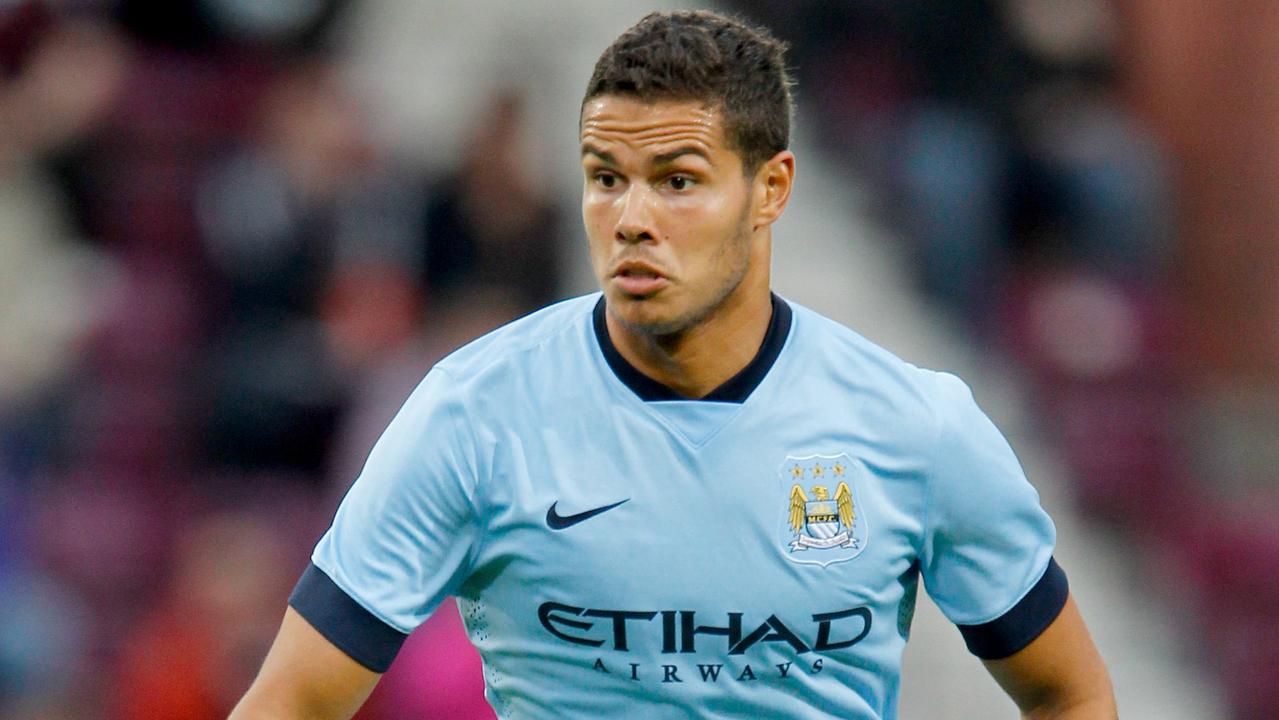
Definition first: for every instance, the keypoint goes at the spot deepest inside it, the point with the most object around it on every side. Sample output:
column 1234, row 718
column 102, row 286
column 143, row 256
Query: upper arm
column 305, row 676
column 987, row 561
column 1059, row 674
column 404, row 535
column 987, row 543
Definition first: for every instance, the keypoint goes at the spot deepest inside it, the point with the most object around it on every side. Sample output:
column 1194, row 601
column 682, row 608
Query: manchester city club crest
column 824, row 522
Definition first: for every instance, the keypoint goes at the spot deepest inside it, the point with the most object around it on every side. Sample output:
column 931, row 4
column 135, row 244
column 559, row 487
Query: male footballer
column 685, row 496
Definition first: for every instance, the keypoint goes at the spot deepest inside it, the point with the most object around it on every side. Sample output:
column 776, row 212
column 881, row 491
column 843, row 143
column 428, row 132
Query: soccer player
column 685, row 496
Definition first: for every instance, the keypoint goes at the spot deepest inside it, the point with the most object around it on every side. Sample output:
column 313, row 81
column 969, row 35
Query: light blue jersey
column 620, row 552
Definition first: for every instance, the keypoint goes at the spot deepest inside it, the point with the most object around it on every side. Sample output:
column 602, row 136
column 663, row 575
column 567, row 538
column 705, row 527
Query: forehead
column 650, row 126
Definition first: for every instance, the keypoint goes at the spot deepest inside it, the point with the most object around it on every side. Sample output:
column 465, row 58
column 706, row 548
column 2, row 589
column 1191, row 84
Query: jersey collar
column 734, row 390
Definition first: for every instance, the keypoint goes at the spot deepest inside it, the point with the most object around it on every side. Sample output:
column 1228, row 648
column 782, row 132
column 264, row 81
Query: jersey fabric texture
column 618, row 551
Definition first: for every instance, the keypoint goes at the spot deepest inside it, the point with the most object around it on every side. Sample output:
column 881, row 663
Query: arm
column 987, row 541
column 1059, row 675
column 305, row 676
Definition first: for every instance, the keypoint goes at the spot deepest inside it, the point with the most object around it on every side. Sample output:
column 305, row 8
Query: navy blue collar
column 734, row 390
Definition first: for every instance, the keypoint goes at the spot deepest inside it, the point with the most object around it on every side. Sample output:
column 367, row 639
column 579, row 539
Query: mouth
column 638, row 279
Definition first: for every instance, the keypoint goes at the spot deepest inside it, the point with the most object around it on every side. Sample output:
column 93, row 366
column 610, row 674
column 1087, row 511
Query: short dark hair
column 705, row 56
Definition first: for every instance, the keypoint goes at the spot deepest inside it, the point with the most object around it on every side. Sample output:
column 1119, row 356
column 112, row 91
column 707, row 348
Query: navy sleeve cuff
column 344, row 622
column 1018, row 627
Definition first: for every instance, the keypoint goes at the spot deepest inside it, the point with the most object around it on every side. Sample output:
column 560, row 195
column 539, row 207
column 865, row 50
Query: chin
column 650, row 316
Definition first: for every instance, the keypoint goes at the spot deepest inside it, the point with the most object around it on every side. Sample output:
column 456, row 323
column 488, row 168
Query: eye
column 606, row 180
column 679, row 183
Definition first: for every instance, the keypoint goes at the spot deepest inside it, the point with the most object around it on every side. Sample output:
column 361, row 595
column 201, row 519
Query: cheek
column 596, row 222
column 710, row 231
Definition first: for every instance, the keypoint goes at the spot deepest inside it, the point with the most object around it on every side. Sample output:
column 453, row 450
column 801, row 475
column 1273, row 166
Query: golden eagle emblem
column 822, row 522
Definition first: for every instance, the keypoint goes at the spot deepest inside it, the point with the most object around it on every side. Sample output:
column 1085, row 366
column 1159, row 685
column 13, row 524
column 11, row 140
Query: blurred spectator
column 61, row 80
column 1021, row 151
column 294, row 26
column 993, row 130
column 304, row 204
column 491, row 222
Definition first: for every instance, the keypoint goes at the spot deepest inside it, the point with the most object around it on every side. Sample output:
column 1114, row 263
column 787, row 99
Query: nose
column 635, row 222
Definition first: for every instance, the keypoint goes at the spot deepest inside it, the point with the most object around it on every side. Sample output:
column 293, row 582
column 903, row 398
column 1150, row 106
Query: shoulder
column 546, row 337
column 486, row 383
column 873, row 374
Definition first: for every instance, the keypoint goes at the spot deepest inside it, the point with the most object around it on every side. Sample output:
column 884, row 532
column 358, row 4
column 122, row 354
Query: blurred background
column 235, row 233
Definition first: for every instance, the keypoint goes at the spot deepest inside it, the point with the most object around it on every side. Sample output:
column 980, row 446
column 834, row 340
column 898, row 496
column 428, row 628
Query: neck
column 700, row 358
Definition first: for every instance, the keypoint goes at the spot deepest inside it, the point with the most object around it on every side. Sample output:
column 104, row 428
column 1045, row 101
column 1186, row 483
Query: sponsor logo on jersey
column 681, row 630
column 824, row 521
column 696, row 637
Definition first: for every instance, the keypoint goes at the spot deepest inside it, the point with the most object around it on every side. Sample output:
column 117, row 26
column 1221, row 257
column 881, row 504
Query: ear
column 771, row 188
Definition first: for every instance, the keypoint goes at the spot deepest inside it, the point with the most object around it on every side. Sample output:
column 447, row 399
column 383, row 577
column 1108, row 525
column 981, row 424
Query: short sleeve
column 402, row 538
column 988, row 544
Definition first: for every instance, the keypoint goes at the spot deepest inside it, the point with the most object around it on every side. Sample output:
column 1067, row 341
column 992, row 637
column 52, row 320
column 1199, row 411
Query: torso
column 698, row 594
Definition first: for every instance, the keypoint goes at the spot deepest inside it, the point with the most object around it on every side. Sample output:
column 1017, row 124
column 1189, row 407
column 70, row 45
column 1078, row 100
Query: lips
column 635, row 277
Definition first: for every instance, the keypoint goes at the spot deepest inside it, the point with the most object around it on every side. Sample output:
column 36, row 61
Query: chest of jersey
column 678, row 544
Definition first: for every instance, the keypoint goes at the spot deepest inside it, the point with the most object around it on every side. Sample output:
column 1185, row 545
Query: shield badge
column 824, row 521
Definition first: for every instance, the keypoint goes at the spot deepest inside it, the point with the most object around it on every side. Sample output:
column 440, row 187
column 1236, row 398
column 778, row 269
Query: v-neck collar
column 734, row 390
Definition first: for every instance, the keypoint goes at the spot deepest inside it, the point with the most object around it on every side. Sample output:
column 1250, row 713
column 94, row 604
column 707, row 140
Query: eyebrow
column 669, row 157
column 658, row 160
column 588, row 149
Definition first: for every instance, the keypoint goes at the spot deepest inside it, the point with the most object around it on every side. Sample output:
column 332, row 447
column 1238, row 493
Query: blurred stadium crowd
column 218, row 281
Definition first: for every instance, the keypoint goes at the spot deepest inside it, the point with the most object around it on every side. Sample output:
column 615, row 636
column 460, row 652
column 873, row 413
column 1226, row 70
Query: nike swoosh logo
column 558, row 522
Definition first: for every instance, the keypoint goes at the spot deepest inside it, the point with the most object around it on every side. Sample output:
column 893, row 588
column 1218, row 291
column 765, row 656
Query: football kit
column 620, row 551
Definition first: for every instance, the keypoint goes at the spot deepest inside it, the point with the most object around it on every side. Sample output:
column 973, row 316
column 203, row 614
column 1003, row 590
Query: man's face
column 667, row 211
